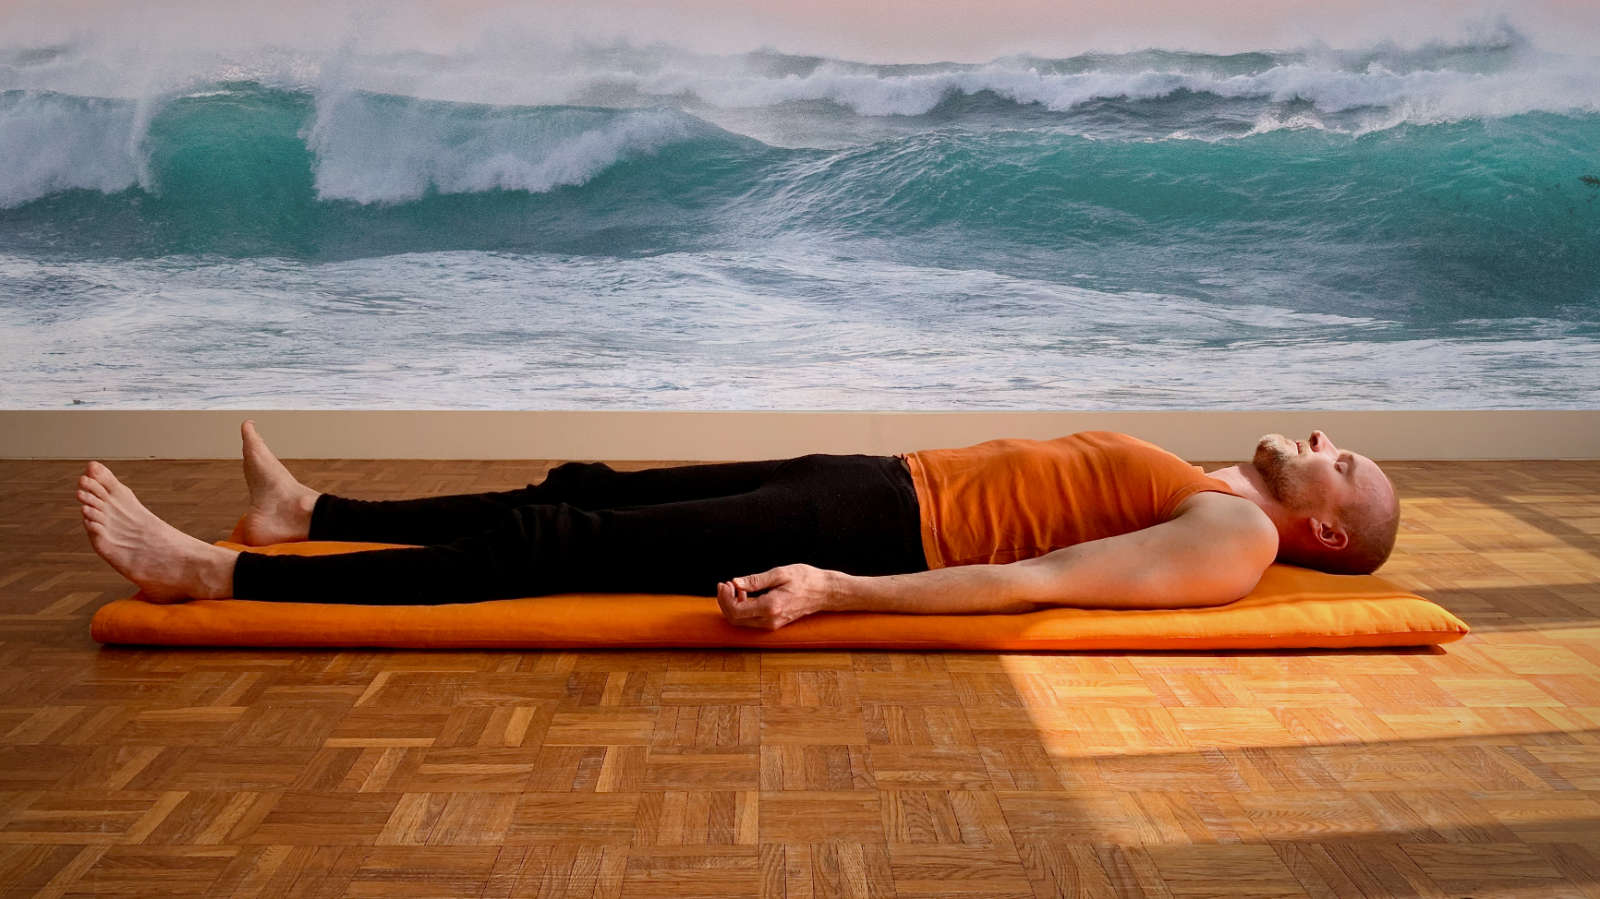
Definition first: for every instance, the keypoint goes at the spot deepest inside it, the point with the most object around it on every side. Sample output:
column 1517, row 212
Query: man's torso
column 1006, row 500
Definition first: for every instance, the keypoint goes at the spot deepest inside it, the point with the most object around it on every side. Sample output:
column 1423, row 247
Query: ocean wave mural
column 643, row 225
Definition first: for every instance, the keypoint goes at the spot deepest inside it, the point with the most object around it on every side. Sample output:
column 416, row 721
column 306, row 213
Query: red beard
column 1271, row 460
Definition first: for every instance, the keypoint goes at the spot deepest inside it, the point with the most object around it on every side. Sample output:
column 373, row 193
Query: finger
column 742, row 607
column 754, row 583
column 733, row 614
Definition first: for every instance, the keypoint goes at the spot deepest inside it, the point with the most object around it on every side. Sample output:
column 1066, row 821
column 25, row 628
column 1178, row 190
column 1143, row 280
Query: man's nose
column 1321, row 443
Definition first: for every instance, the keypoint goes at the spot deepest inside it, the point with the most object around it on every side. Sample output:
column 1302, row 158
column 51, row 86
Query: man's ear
column 1329, row 535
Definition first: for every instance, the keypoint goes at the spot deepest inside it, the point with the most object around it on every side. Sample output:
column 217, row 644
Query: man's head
column 1335, row 510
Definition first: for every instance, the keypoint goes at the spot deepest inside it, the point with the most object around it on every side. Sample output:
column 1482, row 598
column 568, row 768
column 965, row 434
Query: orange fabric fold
column 1292, row 608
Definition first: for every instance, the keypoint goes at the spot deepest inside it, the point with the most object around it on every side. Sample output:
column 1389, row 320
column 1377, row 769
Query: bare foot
column 280, row 506
column 166, row 564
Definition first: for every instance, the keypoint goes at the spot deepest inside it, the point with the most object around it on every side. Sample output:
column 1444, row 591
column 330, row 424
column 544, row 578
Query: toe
column 107, row 479
column 91, row 485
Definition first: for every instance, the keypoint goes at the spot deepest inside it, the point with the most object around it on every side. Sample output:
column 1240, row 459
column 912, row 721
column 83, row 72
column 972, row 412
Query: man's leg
column 282, row 509
column 854, row 514
column 588, row 486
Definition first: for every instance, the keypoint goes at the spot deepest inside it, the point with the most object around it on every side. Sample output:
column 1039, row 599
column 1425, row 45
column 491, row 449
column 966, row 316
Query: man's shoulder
column 1214, row 504
column 1226, row 513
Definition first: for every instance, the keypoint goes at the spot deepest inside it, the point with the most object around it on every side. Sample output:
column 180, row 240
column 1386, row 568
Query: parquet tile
column 1472, row 770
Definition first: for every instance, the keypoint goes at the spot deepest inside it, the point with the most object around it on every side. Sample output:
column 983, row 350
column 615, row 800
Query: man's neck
column 1246, row 481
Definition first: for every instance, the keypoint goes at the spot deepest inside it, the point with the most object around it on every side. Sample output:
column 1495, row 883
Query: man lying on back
column 1095, row 519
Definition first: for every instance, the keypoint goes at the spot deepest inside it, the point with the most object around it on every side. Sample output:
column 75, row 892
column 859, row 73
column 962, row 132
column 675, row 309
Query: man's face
column 1313, row 476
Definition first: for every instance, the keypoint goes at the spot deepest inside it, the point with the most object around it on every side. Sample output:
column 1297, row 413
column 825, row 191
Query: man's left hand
column 774, row 598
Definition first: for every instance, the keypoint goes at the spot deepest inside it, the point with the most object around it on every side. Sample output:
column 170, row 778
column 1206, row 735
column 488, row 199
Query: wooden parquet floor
column 1471, row 770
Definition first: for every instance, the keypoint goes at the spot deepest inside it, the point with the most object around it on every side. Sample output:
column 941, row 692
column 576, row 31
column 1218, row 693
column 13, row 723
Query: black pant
column 588, row 528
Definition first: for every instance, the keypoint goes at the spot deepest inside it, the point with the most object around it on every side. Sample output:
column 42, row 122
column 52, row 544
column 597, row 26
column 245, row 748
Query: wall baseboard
column 638, row 435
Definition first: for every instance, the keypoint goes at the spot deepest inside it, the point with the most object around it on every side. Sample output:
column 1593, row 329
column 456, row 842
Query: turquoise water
column 1362, row 229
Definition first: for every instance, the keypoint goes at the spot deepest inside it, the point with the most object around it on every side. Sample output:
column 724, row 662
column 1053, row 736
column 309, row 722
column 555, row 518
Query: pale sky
column 866, row 30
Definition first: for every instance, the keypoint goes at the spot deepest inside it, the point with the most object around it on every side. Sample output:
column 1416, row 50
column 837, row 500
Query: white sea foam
column 385, row 150
column 1430, row 95
column 1476, row 82
column 778, row 328
column 52, row 143
column 1504, row 76
column 389, row 152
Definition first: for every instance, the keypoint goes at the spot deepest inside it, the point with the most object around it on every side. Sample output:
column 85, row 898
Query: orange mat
column 1290, row 608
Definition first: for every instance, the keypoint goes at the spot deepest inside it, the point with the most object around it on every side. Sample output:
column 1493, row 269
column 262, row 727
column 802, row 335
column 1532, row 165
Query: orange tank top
column 1006, row 500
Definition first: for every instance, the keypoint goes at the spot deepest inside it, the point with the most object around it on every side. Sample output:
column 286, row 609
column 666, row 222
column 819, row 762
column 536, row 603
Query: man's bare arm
column 1212, row 552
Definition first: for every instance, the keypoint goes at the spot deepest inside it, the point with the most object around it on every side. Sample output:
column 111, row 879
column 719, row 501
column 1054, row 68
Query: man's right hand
column 775, row 597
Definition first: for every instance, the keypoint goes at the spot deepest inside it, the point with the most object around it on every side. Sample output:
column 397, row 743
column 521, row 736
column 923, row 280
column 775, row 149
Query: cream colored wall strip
column 624, row 435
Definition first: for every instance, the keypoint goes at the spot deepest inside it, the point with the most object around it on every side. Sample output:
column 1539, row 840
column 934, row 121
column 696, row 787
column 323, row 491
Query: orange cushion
column 1290, row 608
